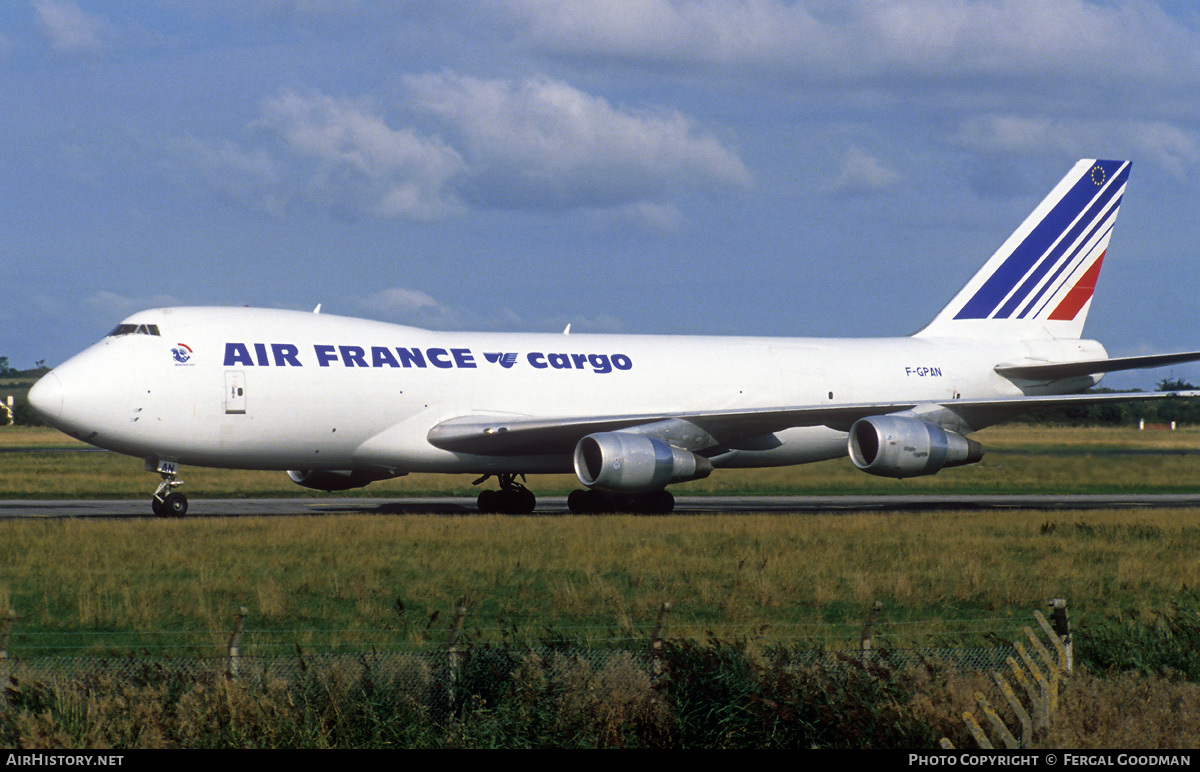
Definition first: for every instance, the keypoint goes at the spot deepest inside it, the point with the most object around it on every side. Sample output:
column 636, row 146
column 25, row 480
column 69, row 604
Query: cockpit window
column 134, row 329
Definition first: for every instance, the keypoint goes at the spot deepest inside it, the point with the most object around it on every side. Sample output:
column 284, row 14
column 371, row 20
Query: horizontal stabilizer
column 1055, row 370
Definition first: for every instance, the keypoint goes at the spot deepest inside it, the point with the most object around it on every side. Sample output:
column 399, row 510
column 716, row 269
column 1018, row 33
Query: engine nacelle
column 896, row 446
column 620, row 461
column 339, row 479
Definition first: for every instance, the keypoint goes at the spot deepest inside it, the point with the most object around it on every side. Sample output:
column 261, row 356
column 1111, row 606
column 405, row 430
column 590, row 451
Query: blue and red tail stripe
column 1054, row 251
column 1079, row 295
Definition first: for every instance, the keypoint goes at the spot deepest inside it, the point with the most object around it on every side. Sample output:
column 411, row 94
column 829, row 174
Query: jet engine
column 620, row 461
column 896, row 446
column 340, row 479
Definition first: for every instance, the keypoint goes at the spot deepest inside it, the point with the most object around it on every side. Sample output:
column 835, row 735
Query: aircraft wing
column 504, row 435
column 520, row 435
column 1054, row 370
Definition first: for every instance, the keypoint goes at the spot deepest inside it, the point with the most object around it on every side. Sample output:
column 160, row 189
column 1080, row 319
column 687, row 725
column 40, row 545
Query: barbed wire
column 423, row 671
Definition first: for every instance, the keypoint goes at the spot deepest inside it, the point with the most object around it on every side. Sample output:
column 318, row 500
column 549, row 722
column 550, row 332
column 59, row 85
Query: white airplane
column 342, row 402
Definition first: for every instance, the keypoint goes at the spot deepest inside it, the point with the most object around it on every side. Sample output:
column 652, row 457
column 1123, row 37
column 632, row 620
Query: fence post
column 996, row 723
column 656, row 640
column 656, row 636
column 864, row 643
column 235, row 641
column 981, row 738
column 1017, row 708
column 1062, row 628
column 6, row 627
column 1052, row 668
column 1041, row 690
column 454, row 660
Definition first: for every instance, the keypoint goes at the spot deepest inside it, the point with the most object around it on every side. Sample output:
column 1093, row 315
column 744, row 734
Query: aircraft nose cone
column 46, row 397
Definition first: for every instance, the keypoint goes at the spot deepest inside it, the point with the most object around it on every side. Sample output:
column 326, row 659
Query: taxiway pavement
column 557, row 505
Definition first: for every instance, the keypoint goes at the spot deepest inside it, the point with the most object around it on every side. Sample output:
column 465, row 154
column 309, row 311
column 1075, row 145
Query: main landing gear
column 594, row 502
column 166, row 502
column 513, row 498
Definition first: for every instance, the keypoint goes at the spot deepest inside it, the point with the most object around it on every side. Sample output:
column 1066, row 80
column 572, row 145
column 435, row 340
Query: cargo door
column 235, row 392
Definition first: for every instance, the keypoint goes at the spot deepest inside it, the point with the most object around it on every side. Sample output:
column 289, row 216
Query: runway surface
column 557, row 505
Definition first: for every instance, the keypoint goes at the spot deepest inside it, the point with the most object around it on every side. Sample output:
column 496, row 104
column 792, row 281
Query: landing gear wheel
column 513, row 498
column 595, row 502
column 176, row 504
column 171, row 505
column 486, row 501
column 658, row 502
column 582, row 502
column 166, row 502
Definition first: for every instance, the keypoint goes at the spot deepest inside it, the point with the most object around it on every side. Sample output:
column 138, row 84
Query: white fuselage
column 269, row 389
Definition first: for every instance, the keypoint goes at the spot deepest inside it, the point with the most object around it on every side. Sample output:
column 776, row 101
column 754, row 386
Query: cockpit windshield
column 133, row 329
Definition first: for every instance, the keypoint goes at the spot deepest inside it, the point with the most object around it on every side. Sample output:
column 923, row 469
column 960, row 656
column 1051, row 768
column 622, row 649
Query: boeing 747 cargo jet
column 343, row 402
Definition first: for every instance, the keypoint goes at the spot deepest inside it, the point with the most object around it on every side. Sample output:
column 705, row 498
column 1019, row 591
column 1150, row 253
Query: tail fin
column 1039, row 283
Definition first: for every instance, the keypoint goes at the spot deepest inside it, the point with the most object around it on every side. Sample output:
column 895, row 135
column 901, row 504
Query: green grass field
column 347, row 573
column 336, row 581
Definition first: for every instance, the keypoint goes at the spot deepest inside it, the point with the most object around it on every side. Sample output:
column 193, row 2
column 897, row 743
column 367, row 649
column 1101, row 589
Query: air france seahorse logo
column 182, row 353
column 505, row 360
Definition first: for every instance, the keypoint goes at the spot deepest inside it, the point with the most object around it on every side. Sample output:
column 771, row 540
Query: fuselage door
column 235, row 392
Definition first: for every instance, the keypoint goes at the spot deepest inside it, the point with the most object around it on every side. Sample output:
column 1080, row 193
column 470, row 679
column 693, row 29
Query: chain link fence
column 419, row 673
column 423, row 668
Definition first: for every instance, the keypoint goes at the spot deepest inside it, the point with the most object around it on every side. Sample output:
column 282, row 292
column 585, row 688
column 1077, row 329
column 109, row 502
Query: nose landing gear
column 166, row 502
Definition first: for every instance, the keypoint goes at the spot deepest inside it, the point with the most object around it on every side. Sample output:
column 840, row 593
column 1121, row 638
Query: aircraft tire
column 523, row 502
column 157, row 506
column 175, row 505
column 582, row 502
column 659, row 502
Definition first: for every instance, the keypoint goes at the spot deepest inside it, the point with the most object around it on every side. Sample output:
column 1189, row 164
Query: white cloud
column 70, row 29
column 399, row 300
column 414, row 307
column 1015, row 134
column 249, row 176
column 113, row 305
column 361, row 162
column 542, row 142
column 861, row 172
column 1172, row 148
column 1166, row 145
column 929, row 39
column 534, row 144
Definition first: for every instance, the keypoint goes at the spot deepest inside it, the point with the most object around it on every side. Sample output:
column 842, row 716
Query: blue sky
column 716, row 167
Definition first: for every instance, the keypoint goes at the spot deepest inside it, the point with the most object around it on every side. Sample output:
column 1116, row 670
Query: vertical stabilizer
column 1039, row 283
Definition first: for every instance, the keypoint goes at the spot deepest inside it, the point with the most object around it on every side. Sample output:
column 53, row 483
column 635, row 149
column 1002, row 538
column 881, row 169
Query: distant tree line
column 1160, row 411
column 16, row 384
